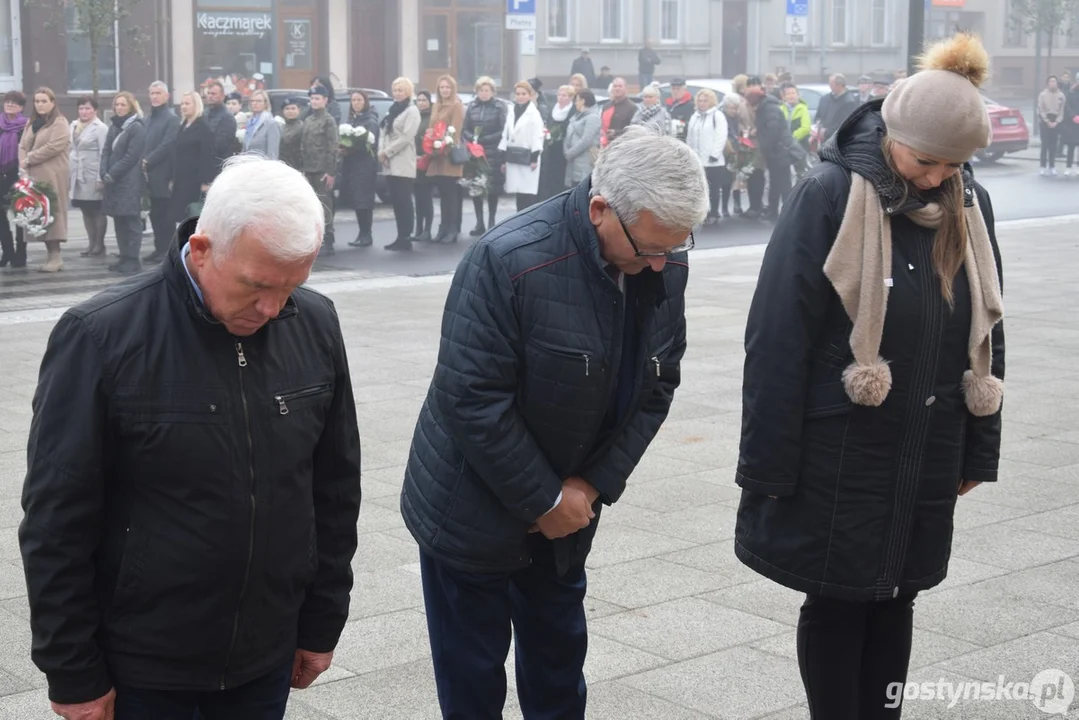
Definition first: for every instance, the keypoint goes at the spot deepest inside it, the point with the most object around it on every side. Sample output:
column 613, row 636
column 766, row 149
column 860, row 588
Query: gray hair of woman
column 650, row 91
column 731, row 102
column 643, row 170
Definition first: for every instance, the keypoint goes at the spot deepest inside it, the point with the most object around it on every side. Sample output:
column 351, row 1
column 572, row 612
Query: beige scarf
column 859, row 267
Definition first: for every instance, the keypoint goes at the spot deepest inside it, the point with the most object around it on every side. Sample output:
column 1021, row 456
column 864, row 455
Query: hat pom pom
column 868, row 384
column 984, row 395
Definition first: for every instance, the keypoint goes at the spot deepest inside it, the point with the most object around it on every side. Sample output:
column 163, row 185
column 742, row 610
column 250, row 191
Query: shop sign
column 221, row 24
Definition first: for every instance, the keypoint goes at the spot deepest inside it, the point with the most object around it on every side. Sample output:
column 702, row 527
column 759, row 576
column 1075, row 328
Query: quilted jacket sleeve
column 982, row 458
column 609, row 473
column 787, row 312
column 475, row 384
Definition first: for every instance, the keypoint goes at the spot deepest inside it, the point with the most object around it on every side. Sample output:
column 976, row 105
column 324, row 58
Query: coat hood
column 857, row 147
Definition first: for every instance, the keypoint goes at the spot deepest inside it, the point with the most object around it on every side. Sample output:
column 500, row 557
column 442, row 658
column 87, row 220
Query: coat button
column 932, row 399
column 895, row 592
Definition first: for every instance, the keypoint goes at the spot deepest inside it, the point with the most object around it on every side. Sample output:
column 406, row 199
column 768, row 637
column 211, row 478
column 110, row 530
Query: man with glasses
column 562, row 339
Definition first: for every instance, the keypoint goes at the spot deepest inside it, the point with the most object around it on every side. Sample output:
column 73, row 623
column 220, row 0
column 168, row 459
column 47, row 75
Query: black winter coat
column 833, row 111
column 865, row 495
column 490, row 118
column 526, row 382
column 223, row 126
column 774, row 135
column 121, row 168
column 193, row 165
column 359, row 167
column 1069, row 129
column 553, row 166
column 191, row 496
column 162, row 127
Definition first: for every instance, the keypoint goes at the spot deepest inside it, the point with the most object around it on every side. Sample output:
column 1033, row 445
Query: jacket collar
column 856, row 147
column 648, row 284
column 177, row 277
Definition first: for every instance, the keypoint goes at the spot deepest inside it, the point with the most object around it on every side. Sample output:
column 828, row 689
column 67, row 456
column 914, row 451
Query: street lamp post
column 915, row 34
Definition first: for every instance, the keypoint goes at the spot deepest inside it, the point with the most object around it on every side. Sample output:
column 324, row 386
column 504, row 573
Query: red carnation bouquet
column 438, row 140
column 33, row 204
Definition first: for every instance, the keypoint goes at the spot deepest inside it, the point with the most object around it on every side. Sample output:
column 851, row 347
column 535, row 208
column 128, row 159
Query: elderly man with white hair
column 562, row 340
column 193, row 479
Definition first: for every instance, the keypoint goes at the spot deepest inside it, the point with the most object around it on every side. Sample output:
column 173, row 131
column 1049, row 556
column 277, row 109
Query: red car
column 1010, row 132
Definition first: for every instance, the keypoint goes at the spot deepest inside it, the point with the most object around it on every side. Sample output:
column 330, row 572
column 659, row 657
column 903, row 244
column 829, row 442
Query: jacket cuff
column 980, row 475
column 318, row 636
column 67, row 688
column 606, row 481
column 763, row 487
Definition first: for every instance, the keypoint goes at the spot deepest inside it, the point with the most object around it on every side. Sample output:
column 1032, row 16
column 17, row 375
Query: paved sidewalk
column 679, row 629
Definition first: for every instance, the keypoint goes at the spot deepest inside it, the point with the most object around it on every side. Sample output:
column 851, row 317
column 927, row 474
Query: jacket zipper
column 283, row 398
column 242, row 362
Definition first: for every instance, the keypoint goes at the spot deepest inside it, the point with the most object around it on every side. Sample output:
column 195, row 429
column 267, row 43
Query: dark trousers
column 1069, row 154
column 425, row 202
column 779, row 185
column 161, row 222
column 755, row 189
column 849, row 653
column 128, row 235
column 1050, row 136
column 261, row 699
column 401, row 198
column 325, row 196
column 470, row 619
column 726, row 182
column 715, row 182
column 365, row 219
column 449, row 204
column 525, row 201
column 96, row 224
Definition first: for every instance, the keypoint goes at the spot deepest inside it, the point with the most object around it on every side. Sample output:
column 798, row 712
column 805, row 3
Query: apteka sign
column 234, row 24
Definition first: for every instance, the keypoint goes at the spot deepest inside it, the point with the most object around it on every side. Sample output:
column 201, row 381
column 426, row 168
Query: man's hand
column 584, row 486
column 104, row 708
column 572, row 514
column 967, row 485
column 328, row 179
column 307, row 666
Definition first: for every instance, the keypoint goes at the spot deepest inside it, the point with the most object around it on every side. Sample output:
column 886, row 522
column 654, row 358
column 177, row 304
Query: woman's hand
column 966, row 486
column 205, row 188
column 534, row 166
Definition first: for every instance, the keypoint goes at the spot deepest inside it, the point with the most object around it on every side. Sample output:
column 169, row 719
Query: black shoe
column 400, row 245
column 6, row 258
column 424, row 236
column 363, row 240
column 326, row 250
column 155, row 257
column 450, row 237
column 478, row 230
column 126, row 267
column 19, row 260
column 726, row 213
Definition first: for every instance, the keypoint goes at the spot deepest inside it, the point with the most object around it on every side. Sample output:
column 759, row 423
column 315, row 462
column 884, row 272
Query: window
column 839, row 22
column 612, row 21
column 79, row 75
column 669, row 20
column 1013, row 31
column 232, row 47
column 558, row 20
column 879, row 33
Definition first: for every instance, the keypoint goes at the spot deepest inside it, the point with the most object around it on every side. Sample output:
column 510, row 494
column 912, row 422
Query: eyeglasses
column 684, row 247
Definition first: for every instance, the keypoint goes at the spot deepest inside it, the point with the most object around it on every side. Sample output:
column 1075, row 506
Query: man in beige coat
column 44, row 155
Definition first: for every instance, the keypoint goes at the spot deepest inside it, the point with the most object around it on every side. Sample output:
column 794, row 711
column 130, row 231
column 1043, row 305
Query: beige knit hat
column 939, row 110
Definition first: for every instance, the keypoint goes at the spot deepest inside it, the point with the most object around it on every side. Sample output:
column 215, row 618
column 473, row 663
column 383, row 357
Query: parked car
column 1010, row 131
column 812, row 94
column 719, row 86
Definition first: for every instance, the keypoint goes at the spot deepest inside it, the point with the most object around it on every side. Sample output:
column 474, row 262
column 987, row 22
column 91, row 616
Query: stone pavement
column 679, row 629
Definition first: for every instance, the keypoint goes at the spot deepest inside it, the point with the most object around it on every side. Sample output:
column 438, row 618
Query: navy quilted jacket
column 527, row 371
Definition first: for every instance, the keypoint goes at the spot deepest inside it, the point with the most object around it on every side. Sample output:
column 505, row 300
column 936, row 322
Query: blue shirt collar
column 183, row 261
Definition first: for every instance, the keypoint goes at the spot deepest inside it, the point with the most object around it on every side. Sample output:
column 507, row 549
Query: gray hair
column 160, row 85
column 268, row 199
column 731, row 100
column 650, row 91
column 840, row 79
column 645, row 171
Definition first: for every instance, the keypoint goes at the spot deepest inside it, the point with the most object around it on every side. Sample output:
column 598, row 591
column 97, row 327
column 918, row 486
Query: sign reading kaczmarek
column 224, row 24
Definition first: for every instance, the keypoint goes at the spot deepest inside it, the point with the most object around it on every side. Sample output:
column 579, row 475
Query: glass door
column 479, row 48
column 436, row 49
column 10, row 46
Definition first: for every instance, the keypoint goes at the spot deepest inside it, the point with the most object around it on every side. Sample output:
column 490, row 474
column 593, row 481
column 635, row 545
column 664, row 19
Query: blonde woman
column 553, row 160
column 194, row 162
column 121, row 171
column 450, row 110
column 485, row 119
column 706, row 136
column 397, row 152
column 578, row 82
column 262, row 135
column 863, row 428
column 45, row 155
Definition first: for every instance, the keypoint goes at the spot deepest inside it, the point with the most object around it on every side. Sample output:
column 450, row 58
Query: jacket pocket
column 826, row 400
column 130, row 571
column 573, row 360
column 204, row 410
column 289, row 400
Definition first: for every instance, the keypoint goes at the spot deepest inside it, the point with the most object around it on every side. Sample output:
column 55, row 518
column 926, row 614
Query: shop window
column 79, row 75
column 236, row 48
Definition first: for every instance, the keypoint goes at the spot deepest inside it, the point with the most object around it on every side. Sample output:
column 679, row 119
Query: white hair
column 160, row 85
column 731, row 100
column 269, row 200
column 650, row 91
column 645, row 171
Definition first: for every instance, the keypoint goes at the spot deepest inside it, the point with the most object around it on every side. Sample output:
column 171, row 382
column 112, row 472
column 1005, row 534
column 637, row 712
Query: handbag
column 459, row 155
column 518, row 155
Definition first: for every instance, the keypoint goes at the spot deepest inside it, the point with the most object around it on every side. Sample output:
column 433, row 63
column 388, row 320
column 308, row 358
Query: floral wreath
column 32, row 204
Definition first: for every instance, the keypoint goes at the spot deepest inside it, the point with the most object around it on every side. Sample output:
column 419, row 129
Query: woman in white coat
column 522, row 144
column 88, row 136
column 707, row 136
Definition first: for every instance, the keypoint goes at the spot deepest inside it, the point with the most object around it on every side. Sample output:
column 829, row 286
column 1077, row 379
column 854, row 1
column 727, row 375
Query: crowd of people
column 1058, row 120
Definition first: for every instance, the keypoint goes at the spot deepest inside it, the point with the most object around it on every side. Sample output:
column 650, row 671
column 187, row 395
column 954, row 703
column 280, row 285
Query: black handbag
column 459, row 155
column 518, row 156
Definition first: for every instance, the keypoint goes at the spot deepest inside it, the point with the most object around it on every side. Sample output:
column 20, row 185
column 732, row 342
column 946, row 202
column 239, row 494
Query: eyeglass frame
column 689, row 244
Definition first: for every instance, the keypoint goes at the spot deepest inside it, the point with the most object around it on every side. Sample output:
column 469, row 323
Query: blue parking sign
column 523, row 7
column 798, row 8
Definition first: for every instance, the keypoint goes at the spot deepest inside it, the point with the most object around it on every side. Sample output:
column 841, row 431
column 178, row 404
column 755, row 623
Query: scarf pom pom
column 984, row 395
column 868, row 384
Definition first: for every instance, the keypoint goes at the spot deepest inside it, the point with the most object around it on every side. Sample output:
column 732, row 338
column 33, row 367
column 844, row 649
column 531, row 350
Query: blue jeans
column 646, row 79
column 261, row 699
column 469, row 618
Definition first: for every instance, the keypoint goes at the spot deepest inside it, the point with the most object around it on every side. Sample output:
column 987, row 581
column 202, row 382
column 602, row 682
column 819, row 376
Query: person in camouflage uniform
column 291, row 135
column 318, row 150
